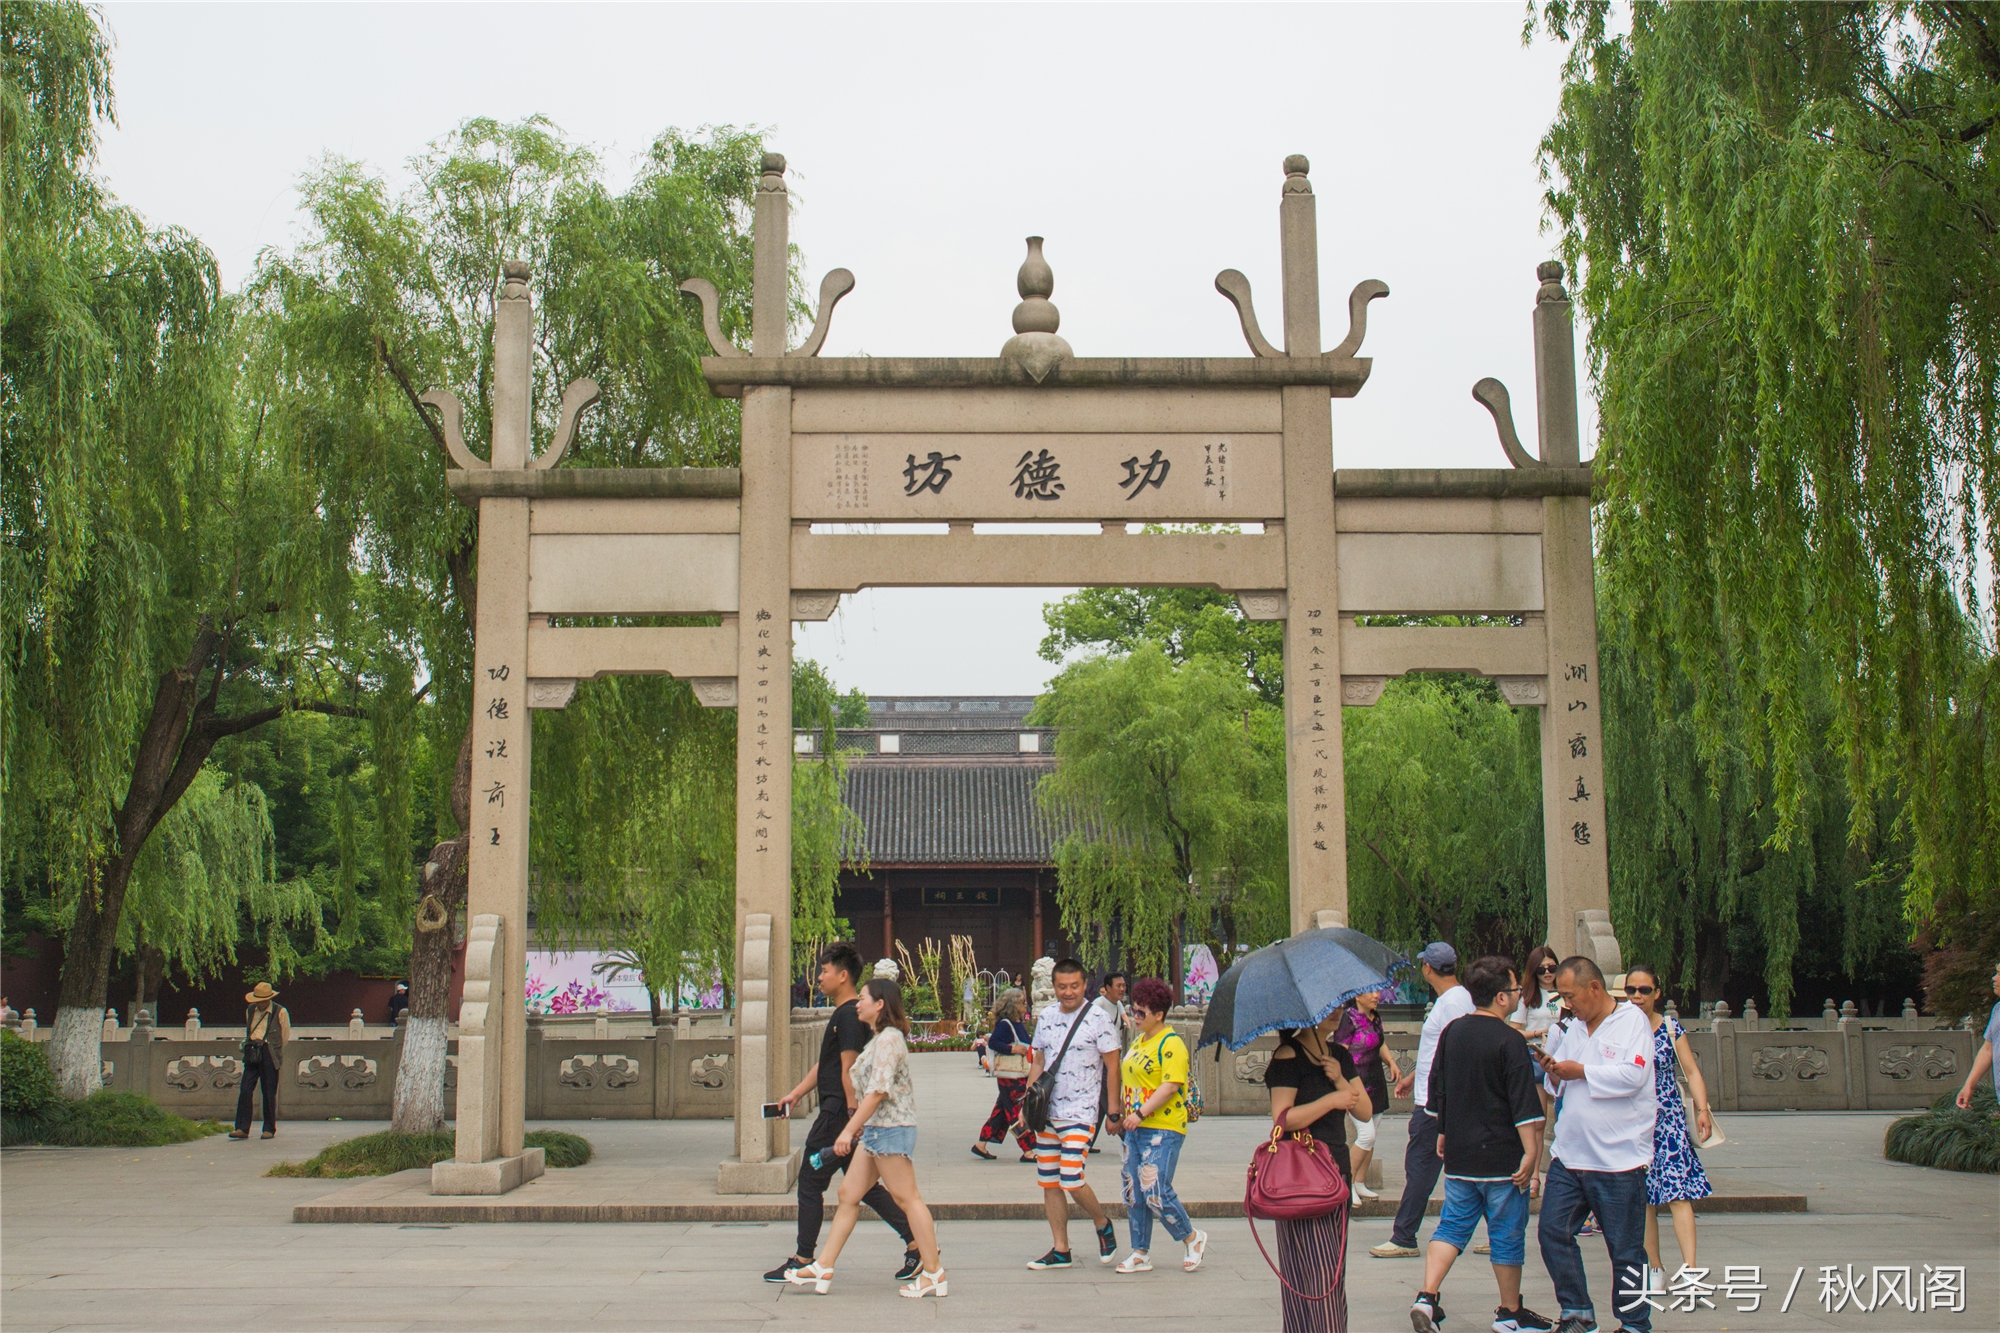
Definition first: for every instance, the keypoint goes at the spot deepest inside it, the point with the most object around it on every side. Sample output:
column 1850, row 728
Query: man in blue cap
column 1421, row 1163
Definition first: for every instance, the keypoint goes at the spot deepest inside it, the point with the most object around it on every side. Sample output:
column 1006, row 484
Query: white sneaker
column 1197, row 1249
column 1136, row 1262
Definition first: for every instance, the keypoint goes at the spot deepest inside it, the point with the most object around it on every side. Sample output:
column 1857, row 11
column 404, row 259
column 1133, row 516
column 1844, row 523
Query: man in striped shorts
column 1088, row 1071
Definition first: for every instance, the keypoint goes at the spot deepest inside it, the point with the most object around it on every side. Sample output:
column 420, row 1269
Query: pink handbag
column 1293, row 1176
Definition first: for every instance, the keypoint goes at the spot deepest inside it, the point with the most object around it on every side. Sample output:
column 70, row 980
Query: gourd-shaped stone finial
column 1035, row 346
column 1037, row 283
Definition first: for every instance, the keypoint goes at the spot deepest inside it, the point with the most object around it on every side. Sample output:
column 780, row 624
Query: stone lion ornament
column 1042, row 983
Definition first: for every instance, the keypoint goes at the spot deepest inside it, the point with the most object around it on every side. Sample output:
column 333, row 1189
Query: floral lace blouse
column 884, row 1066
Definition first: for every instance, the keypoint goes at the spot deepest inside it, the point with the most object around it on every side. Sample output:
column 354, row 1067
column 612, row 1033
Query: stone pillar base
column 497, row 1176
column 776, row 1176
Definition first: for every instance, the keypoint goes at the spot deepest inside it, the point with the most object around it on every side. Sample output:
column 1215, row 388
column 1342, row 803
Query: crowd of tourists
column 1504, row 1055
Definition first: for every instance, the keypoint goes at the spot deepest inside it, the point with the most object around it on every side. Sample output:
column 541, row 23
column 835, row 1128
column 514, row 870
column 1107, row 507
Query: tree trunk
column 74, row 1052
column 419, row 1101
column 149, row 975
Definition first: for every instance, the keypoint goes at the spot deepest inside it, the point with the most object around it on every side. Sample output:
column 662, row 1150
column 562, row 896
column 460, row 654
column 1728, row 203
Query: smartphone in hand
column 774, row 1110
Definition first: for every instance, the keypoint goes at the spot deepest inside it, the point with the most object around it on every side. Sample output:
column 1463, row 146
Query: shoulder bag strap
column 1274, row 1268
column 1082, row 1017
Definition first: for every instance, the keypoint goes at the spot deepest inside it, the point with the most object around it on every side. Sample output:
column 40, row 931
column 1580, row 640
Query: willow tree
column 1169, row 786
column 391, row 295
column 1785, row 220
column 1699, row 886
column 1444, row 817
column 163, row 578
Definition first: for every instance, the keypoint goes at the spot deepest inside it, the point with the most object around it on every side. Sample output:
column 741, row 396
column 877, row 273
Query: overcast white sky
column 1143, row 141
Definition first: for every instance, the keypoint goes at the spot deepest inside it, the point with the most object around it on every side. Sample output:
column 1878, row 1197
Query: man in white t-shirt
column 1599, row 1065
column 1087, row 1079
column 1421, row 1162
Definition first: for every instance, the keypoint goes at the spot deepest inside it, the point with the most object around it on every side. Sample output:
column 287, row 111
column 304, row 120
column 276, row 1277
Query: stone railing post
column 110, row 1024
column 191, row 1029
column 600, row 1025
column 1725, row 1058
column 1851, row 1052
column 28, row 1025
column 1828, row 1016
column 1909, row 1014
column 357, row 1026
column 1751, row 1022
column 532, row 1064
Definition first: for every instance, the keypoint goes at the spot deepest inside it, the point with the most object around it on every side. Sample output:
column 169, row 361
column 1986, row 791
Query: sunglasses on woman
column 1640, row 990
column 1547, row 969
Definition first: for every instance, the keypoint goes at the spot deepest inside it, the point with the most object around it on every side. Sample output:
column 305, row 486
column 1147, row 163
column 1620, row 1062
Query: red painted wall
column 35, row 982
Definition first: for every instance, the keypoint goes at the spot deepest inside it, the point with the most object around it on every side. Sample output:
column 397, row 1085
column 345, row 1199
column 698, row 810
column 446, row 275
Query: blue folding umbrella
column 1295, row 983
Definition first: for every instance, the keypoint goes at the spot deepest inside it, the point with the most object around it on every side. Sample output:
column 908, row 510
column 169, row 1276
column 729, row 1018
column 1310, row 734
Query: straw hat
column 263, row 994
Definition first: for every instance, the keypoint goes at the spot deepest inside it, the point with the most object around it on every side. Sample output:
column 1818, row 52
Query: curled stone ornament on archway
column 840, row 455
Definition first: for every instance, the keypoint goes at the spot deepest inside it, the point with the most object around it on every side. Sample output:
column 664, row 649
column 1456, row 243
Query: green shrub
column 387, row 1152
column 1948, row 1138
column 27, row 1084
column 106, row 1120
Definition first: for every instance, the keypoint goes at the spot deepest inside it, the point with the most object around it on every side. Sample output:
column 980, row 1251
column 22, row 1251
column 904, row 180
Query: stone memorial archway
column 1038, row 434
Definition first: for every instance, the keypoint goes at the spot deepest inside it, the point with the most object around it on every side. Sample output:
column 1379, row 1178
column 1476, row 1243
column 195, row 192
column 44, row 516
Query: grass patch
column 1948, row 1138
column 105, row 1120
column 388, row 1152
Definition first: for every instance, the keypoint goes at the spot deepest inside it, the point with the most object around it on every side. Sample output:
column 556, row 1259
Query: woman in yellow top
column 1155, row 1125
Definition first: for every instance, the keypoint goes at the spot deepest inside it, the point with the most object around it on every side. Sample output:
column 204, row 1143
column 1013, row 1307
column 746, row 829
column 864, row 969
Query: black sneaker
column 1107, row 1244
column 1522, row 1320
column 1576, row 1323
column 1426, row 1313
column 778, row 1274
column 912, row 1262
column 1053, row 1259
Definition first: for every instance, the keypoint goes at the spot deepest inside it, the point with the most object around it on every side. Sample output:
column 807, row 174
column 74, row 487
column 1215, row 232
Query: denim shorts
column 889, row 1140
column 1500, row 1202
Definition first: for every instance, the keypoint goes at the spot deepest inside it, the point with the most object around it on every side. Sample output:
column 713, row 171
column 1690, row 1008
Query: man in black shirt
column 833, row 1077
column 1482, row 1092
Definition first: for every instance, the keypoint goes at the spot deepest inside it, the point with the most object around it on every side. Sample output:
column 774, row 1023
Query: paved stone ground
column 195, row 1237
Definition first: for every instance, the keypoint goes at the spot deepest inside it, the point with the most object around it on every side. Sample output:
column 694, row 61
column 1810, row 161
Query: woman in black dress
column 1315, row 1087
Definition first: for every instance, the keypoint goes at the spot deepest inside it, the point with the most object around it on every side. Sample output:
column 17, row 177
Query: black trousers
column 264, row 1074
column 813, row 1181
column 1421, row 1165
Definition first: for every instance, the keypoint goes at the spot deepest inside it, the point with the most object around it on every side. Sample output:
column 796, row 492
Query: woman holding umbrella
column 1314, row 1088
column 1297, row 988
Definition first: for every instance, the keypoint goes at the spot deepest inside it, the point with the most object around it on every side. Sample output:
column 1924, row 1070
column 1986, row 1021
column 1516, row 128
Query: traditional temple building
column 944, row 786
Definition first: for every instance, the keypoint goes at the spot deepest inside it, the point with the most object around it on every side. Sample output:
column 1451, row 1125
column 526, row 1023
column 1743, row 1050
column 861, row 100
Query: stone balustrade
column 622, row 1067
column 577, row 1070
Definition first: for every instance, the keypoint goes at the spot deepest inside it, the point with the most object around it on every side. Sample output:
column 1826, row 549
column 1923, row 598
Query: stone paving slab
column 194, row 1238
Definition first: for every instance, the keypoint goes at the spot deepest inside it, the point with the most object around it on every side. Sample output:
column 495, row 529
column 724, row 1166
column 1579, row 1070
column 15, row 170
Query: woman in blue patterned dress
column 1675, row 1179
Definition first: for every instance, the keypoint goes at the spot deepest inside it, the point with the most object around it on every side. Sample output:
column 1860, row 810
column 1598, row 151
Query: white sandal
column 1136, row 1262
column 1197, row 1247
column 812, row 1275
column 926, row 1284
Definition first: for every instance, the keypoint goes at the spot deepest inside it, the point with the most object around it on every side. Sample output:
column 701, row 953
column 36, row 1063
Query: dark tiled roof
column 947, row 712
column 962, row 812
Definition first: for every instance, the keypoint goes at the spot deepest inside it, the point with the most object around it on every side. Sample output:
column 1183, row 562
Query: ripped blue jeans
column 1150, row 1158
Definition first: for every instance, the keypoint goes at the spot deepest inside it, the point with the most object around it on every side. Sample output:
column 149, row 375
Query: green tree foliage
column 162, row 578
column 1703, row 888
column 391, row 295
column 1444, row 817
column 207, row 871
column 1170, row 782
column 1785, row 218
column 1184, row 622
